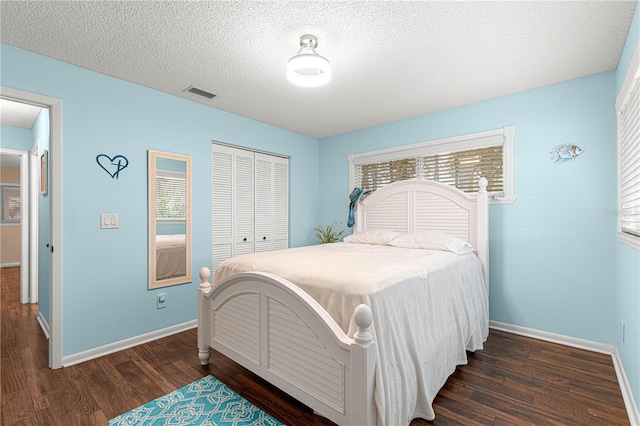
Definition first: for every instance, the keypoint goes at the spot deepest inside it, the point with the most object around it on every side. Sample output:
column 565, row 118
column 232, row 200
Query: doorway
column 14, row 212
column 51, row 233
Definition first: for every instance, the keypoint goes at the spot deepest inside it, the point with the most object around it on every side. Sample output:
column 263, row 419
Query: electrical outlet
column 162, row 301
column 623, row 330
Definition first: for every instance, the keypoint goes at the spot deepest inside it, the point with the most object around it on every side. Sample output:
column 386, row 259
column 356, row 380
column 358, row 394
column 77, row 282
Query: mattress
column 171, row 256
column 429, row 308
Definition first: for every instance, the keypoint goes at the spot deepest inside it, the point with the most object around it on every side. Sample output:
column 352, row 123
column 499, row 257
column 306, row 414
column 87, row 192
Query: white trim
column 55, row 199
column 553, row 338
column 173, row 174
column 504, row 136
column 633, row 73
column 244, row 148
column 630, row 80
column 44, row 325
column 34, row 222
column 174, row 221
column 629, row 240
column 90, row 354
column 9, row 264
column 439, row 146
column 625, row 388
column 24, row 219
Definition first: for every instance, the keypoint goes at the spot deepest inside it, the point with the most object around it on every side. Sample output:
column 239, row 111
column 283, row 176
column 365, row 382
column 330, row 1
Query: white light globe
column 308, row 70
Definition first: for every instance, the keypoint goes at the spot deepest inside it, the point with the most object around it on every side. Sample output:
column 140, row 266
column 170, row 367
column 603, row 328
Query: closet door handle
column 264, row 238
column 244, row 239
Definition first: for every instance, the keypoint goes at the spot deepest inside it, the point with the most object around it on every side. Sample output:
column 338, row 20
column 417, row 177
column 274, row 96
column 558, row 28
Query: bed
column 171, row 257
column 380, row 343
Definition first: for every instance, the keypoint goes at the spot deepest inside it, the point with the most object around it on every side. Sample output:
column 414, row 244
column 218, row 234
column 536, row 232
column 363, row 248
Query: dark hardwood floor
column 513, row 381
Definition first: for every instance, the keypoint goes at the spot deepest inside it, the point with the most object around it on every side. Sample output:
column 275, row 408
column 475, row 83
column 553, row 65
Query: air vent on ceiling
column 199, row 92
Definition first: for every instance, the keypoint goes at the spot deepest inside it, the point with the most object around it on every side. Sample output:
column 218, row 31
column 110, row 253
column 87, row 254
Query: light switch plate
column 109, row 221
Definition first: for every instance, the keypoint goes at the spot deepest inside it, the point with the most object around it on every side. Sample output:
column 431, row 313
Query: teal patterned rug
column 207, row 401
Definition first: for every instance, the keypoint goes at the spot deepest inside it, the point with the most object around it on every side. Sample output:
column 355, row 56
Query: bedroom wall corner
column 15, row 138
column 40, row 131
column 104, row 272
column 627, row 271
column 551, row 253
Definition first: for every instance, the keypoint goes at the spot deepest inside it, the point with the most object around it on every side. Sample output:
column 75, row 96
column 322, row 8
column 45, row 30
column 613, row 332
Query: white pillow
column 374, row 236
column 432, row 240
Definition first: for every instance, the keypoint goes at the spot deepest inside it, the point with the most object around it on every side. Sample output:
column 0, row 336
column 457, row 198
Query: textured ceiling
column 16, row 114
column 390, row 60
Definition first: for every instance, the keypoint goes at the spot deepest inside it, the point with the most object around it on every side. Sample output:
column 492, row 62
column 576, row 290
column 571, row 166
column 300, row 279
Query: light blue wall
column 40, row 132
column 166, row 229
column 627, row 274
column 104, row 272
column 553, row 251
column 15, row 138
column 24, row 139
column 556, row 264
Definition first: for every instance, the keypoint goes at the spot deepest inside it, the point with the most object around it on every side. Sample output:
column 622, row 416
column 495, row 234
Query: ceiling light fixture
column 308, row 69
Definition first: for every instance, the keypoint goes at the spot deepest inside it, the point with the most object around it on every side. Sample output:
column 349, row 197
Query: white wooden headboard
column 420, row 205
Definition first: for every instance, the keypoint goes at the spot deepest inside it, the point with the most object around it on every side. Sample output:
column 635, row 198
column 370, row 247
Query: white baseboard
column 9, row 264
column 44, row 325
column 554, row 338
column 625, row 388
column 128, row 343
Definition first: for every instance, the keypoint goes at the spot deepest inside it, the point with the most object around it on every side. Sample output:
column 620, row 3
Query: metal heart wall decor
column 113, row 166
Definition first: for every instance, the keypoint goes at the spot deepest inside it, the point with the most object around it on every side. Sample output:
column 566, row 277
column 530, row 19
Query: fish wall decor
column 564, row 153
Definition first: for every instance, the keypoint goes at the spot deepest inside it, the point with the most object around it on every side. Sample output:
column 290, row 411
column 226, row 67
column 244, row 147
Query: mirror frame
column 152, row 160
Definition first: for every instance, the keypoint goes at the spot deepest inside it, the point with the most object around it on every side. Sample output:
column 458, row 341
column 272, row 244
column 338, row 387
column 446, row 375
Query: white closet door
column 263, row 199
column 243, row 202
column 250, row 202
column 280, row 235
column 221, row 204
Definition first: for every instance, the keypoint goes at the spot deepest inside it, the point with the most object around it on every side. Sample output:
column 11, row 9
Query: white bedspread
column 171, row 256
column 429, row 308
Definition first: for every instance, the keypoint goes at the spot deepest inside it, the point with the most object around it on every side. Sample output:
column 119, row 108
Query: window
column 377, row 175
column 171, row 196
column 10, row 201
column 458, row 161
column 628, row 112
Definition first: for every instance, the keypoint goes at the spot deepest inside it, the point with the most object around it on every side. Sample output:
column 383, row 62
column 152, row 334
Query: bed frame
column 271, row 327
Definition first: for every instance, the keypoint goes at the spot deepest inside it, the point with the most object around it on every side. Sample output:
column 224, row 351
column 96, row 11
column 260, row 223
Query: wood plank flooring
column 513, row 381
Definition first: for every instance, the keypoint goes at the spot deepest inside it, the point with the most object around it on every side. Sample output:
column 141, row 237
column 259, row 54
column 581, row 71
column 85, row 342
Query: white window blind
column 462, row 169
column 171, row 196
column 10, row 203
column 629, row 162
column 376, row 175
column 458, row 161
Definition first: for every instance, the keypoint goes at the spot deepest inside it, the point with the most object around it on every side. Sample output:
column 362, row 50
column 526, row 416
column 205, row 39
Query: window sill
column 502, row 200
column 170, row 221
column 629, row 240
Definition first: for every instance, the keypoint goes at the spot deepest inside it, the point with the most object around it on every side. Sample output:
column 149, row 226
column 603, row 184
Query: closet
column 249, row 202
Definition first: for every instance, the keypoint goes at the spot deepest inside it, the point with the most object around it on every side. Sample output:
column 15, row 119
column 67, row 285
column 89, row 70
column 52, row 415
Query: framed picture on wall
column 44, row 170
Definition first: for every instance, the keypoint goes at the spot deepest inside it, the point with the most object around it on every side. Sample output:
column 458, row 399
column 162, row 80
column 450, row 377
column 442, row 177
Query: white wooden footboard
column 276, row 330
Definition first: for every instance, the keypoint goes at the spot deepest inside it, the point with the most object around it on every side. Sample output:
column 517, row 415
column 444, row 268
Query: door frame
column 24, row 219
column 55, row 211
column 34, row 222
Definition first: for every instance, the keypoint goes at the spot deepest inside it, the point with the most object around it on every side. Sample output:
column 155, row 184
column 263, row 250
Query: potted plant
column 327, row 234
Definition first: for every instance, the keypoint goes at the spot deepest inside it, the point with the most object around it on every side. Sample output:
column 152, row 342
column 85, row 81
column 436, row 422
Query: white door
column 243, row 201
column 221, row 204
